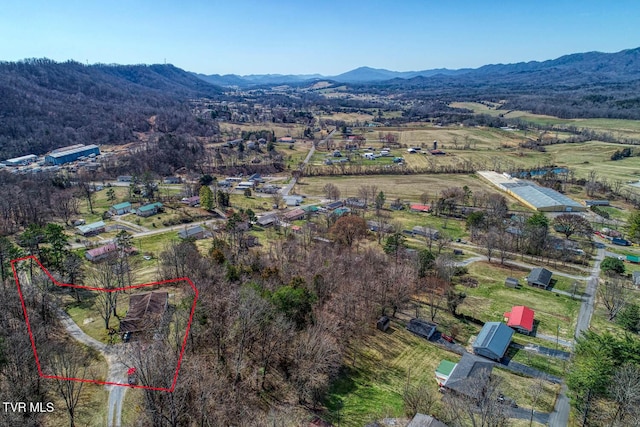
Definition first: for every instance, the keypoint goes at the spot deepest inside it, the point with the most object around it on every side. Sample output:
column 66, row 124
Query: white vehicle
column 369, row 156
column 384, row 153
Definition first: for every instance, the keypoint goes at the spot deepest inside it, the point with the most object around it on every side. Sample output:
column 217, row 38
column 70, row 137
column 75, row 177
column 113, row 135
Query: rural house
column 145, row 311
column 493, row 340
column 149, row 210
column 191, row 201
column 293, row 215
column 420, row 208
column 197, row 232
column 422, row 420
column 520, row 318
column 91, row 229
column 539, row 277
column 120, row 208
column 98, row 254
column 267, row 220
column 468, row 377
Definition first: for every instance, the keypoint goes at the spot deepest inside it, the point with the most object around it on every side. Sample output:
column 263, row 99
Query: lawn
column 372, row 387
column 491, row 299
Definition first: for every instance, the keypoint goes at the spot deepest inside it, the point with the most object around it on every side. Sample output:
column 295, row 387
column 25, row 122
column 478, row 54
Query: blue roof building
column 493, row 340
column 92, row 229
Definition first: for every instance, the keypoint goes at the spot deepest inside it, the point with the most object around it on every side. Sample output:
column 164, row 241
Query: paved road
column 287, row 188
column 152, row 232
column 560, row 415
column 586, row 310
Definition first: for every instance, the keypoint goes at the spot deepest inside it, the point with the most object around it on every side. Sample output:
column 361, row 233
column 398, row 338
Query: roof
column 111, row 247
column 494, row 337
column 421, row 328
column 334, row 205
column 150, row 207
column 636, row 277
column 191, row 231
column 144, row 309
column 293, row 213
column 122, row 205
column 422, row 420
column 75, row 150
column 91, row 227
column 540, row 276
column 541, row 197
column 520, row 316
column 267, row 219
column 469, row 375
column 445, row 367
column 22, row 158
column 421, row 208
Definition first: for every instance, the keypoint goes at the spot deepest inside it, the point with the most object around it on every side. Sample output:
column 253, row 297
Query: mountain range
column 620, row 65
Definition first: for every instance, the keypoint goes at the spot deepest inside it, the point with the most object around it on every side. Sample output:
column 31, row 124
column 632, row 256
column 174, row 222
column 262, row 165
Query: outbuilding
column 493, row 340
column 91, row 229
column 539, row 277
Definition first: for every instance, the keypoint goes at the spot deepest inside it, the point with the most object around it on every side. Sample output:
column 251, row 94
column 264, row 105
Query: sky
column 328, row 37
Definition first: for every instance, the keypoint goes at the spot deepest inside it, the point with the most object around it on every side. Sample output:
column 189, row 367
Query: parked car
column 447, row 338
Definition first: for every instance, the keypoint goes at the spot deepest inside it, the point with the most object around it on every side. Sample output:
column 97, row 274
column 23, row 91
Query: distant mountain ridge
column 620, row 65
column 46, row 104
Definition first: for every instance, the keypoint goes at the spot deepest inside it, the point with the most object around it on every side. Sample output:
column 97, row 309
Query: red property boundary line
column 70, row 285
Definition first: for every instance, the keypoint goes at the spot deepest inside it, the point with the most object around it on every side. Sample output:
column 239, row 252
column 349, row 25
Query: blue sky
column 300, row 37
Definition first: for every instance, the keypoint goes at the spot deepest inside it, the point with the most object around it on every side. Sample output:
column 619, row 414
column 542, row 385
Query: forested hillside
column 44, row 104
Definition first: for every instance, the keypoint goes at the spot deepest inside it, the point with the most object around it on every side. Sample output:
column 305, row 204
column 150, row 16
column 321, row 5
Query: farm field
column 404, row 187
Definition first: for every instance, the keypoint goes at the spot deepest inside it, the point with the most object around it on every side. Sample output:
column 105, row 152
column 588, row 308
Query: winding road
column 287, row 188
column 117, row 370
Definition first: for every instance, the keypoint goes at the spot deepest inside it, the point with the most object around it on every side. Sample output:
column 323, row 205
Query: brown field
column 405, row 187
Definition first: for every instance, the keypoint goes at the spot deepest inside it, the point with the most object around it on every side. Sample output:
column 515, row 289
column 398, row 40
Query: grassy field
column 405, row 187
column 491, row 299
column 372, row 387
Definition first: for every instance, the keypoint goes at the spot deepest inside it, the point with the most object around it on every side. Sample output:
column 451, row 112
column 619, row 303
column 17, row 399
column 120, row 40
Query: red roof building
column 520, row 318
column 421, row 208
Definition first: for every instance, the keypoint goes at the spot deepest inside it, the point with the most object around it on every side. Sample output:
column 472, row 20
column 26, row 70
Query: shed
column 421, row 328
column 120, row 208
column 383, row 323
column 493, row 340
column 539, row 277
column 520, row 318
column 636, row 278
column 511, row 282
column 355, row 203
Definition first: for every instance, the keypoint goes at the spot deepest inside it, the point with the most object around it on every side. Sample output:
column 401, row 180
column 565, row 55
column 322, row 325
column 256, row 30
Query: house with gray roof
column 469, row 375
column 539, row 277
column 92, row 229
column 493, row 340
column 422, row 420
